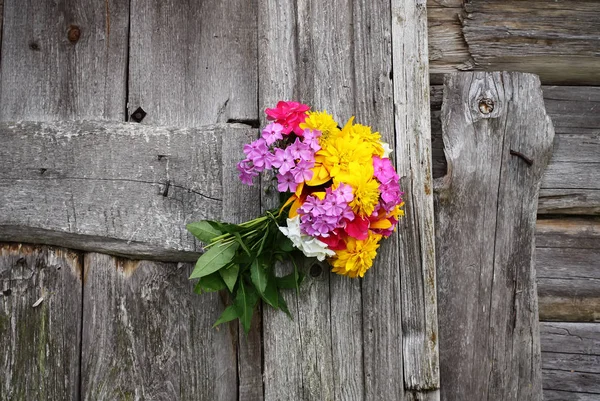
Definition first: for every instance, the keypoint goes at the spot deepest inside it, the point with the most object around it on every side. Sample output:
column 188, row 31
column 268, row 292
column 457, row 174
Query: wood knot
column 316, row 270
column 73, row 34
column 486, row 105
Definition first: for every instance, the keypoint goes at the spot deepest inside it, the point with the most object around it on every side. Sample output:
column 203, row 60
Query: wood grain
column 40, row 340
column 486, row 213
column 570, row 360
column 568, row 269
column 194, row 64
column 45, row 76
column 570, row 184
column 141, row 334
column 557, row 40
column 416, row 229
column 133, row 198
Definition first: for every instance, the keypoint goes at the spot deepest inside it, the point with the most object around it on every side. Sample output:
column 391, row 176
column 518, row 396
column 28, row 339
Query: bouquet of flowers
column 340, row 197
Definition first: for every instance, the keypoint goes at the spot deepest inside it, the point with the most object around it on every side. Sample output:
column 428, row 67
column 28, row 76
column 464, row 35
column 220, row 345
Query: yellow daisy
column 357, row 258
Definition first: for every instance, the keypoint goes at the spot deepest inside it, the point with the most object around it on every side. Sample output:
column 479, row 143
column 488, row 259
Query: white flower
column 310, row 246
column 386, row 149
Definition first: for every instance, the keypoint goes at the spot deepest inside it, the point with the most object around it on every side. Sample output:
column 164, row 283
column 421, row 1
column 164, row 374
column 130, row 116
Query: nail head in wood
column 486, row 105
column 138, row 115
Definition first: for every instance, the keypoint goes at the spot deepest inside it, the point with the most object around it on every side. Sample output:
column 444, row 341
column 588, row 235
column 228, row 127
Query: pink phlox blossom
column 272, row 133
column 384, row 170
column 302, row 171
column 302, row 151
column 283, row 160
column 247, row 171
column 286, row 182
column 320, row 217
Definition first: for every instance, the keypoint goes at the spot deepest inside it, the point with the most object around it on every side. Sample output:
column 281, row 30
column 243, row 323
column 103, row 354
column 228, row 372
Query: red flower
column 358, row 228
column 334, row 242
column 290, row 115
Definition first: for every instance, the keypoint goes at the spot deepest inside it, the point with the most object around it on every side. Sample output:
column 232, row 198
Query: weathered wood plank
column 486, row 213
column 132, row 198
column 141, row 334
column 570, row 184
column 64, row 60
column 40, row 322
column 571, row 360
column 416, row 229
column 381, row 288
column 542, row 37
column 319, row 355
column 193, row 65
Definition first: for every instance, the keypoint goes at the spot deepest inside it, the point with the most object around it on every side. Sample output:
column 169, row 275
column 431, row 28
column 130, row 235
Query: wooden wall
column 199, row 64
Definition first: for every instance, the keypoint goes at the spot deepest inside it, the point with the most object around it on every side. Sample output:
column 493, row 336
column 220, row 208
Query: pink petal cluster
column 389, row 183
column 320, row 217
column 289, row 115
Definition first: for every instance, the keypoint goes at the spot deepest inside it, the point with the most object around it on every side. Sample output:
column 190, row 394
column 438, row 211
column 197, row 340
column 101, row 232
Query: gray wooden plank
column 381, row 289
column 580, row 232
column 570, row 338
column 193, row 64
column 559, row 395
column 570, row 183
column 416, row 229
column 546, row 38
column 132, row 198
column 40, row 340
column 486, row 214
column 64, row 60
column 322, row 357
column 145, row 334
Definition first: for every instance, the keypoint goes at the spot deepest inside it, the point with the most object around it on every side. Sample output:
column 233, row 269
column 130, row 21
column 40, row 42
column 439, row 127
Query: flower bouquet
column 340, row 197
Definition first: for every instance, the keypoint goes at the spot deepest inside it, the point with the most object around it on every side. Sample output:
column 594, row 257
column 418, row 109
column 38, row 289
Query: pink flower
column 272, row 133
column 286, row 182
column 290, row 115
column 283, row 160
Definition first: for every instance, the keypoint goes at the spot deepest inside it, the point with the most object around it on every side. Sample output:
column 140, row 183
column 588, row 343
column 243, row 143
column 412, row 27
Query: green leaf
column 271, row 295
column 292, row 280
column 244, row 302
column 203, row 230
column 211, row 283
column 230, row 275
column 214, row 259
column 285, row 244
column 259, row 276
column 228, row 315
column 283, row 306
column 240, row 241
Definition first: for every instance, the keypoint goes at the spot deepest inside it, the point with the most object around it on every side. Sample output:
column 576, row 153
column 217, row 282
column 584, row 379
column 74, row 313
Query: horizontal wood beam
column 118, row 188
column 557, row 40
column 571, row 184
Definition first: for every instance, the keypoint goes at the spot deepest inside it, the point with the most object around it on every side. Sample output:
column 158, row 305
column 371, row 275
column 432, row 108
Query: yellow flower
column 323, row 122
column 371, row 139
column 364, row 187
column 358, row 256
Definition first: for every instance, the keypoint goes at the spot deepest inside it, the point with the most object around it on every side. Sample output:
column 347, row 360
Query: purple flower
column 286, row 182
column 320, row 217
column 283, row 160
column 301, row 151
column 247, row 171
column 302, row 171
column 309, row 134
column 272, row 133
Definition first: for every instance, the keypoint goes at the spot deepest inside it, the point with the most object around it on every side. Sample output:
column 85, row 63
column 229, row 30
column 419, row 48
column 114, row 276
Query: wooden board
column 571, row 360
column 132, row 198
column 140, row 334
column 568, row 269
column 486, row 213
column 64, row 60
column 558, row 40
column 416, row 230
column 40, row 322
column 193, row 64
column 570, row 184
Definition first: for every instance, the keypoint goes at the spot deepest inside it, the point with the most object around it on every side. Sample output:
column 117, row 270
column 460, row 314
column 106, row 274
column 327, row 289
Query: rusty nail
column 486, row 105
column 138, row 115
column 526, row 159
column 74, row 33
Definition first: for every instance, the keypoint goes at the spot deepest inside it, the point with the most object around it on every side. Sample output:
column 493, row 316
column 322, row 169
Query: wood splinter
column 526, row 159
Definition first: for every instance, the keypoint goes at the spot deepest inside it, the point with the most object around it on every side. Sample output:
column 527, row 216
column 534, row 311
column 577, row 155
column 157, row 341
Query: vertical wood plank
column 145, row 334
column 416, row 229
column 40, row 322
column 381, row 286
column 306, row 54
column 486, row 213
column 64, row 59
column 193, row 62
